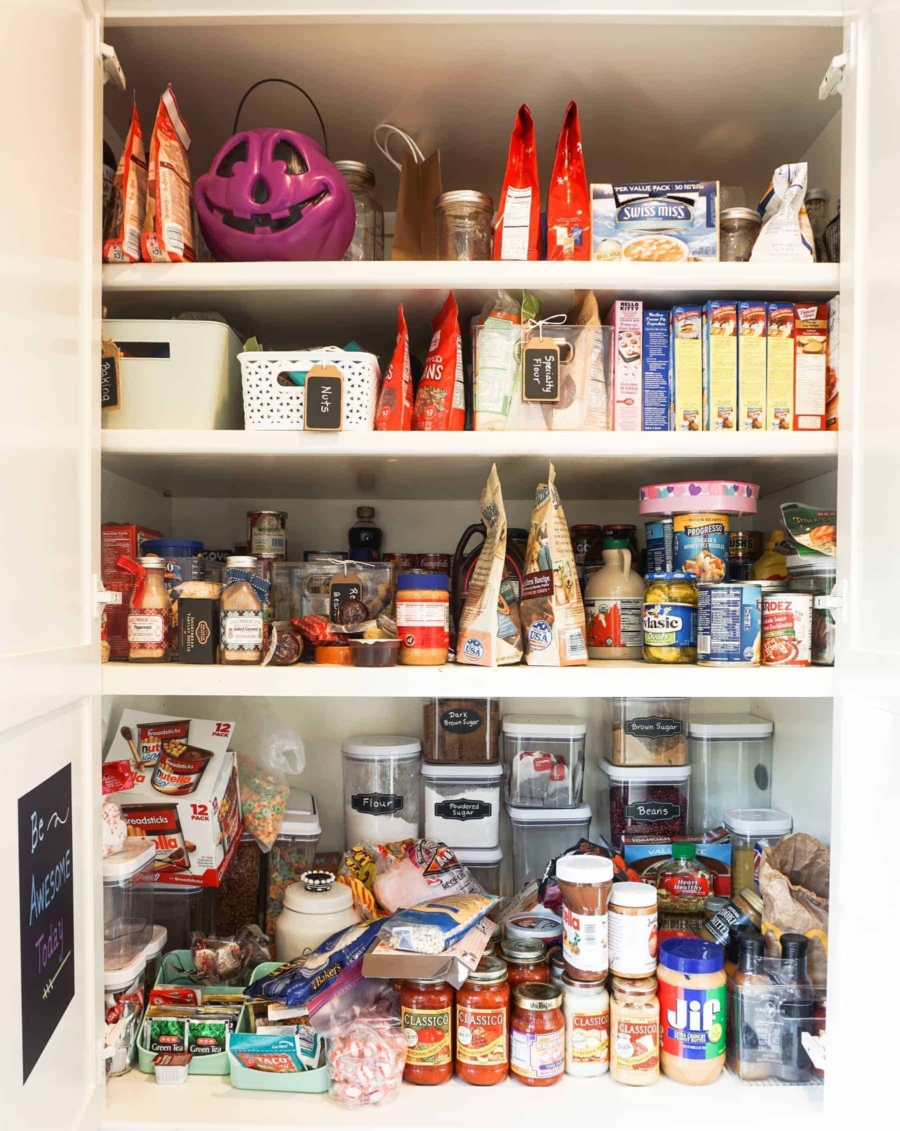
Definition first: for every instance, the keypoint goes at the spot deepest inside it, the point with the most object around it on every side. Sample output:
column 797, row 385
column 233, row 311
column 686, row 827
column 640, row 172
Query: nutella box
column 626, row 319
column 810, row 358
column 687, row 368
column 117, row 539
column 780, row 367
column 833, row 366
column 751, row 366
column 720, row 365
column 185, row 794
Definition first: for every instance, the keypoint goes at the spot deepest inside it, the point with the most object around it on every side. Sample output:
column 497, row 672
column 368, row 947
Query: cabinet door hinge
column 833, row 600
column 834, row 76
column 112, row 68
column 103, row 596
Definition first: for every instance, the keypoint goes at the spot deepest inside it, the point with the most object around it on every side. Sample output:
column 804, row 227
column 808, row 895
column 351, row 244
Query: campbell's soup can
column 787, row 629
column 434, row 563
column 401, row 561
column 729, row 624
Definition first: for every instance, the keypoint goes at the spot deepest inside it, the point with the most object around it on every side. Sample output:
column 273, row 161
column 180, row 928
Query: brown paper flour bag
column 793, row 882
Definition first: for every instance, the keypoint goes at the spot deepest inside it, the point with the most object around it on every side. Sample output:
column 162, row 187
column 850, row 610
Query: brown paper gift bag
column 793, row 882
column 420, row 186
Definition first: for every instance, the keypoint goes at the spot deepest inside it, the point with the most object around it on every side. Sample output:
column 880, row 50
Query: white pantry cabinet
column 708, row 89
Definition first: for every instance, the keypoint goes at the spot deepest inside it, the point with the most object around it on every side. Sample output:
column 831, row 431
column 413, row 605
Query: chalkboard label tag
column 110, row 378
column 323, row 399
column 540, row 371
column 345, row 587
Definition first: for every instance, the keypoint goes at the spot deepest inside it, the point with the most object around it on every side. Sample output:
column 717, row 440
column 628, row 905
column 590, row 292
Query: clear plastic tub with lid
column 127, row 902
column 461, row 730
column 462, row 805
column 650, row 732
column 539, row 835
column 731, row 762
column 153, row 956
column 817, row 576
column 543, row 756
column 293, row 852
column 184, row 911
column 381, row 788
column 644, row 801
column 123, row 1008
column 753, row 830
column 485, row 866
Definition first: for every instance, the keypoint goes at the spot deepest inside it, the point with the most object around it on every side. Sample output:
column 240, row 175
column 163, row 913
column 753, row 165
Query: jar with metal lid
column 670, row 618
column 712, row 905
column 538, row 1035
column 482, row 1024
column 634, row 1031
column 243, row 604
column 149, row 623
column 586, row 1010
column 463, row 225
column 426, row 1009
column 738, row 229
column 740, row 912
column 314, row 908
column 368, row 235
column 632, row 930
column 526, row 961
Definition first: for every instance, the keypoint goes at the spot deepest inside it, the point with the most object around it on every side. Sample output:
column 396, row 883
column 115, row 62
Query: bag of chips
column 568, row 199
column 168, row 235
column 441, row 398
column 395, row 400
column 128, row 203
column 517, row 230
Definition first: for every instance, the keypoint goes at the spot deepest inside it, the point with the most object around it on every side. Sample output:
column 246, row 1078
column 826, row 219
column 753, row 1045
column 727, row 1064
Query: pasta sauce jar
column 423, row 618
column 538, row 1045
column 482, row 1024
column 526, row 961
column 426, row 1008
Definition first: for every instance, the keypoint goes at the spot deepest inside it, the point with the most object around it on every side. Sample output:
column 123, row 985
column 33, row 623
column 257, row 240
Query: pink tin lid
column 728, row 496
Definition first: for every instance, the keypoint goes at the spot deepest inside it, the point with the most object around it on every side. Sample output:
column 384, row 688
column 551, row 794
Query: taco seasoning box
column 482, row 1024
column 586, row 1010
column 692, row 1010
column 538, row 1035
column 634, row 1031
column 242, row 612
column 426, row 1006
column 632, row 930
column 585, row 883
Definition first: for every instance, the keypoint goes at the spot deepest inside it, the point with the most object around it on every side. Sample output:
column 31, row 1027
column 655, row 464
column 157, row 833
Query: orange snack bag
column 517, row 232
column 169, row 223
column 441, row 399
column 122, row 238
column 395, row 400
column 568, row 200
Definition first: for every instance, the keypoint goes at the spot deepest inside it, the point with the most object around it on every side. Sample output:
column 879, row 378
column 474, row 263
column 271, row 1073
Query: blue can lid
column 671, row 575
column 692, row 956
column 423, row 580
column 171, row 546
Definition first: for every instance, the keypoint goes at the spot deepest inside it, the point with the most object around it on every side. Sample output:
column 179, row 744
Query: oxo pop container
column 731, row 757
column 462, row 804
column 543, row 757
column 644, row 801
column 381, row 788
column 484, row 864
column 127, row 902
column 539, row 835
column 293, row 853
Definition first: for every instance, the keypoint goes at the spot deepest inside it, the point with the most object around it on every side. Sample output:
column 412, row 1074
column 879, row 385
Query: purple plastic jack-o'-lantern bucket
column 273, row 194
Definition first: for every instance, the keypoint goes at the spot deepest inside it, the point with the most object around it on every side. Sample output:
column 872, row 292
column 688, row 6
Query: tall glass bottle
column 796, row 1009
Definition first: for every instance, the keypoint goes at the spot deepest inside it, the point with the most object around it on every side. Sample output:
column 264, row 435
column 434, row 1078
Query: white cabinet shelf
column 597, row 680
column 454, row 465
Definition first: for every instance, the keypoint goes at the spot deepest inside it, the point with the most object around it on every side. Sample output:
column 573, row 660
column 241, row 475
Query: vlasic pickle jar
column 670, row 618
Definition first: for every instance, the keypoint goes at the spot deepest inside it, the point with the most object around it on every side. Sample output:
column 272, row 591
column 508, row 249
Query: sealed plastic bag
column 568, row 198
column 404, row 873
column 168, row 235
column 517, row 230
column 431, row 927
column 366, row 1044
column 441, row 399
column 128, row 201
column 786, row 232
column 271, row 751
column 395, row 399
column 497, row 358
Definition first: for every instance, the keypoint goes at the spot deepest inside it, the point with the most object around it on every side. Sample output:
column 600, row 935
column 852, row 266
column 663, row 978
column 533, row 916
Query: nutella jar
column 632, row 930
column 585, row 883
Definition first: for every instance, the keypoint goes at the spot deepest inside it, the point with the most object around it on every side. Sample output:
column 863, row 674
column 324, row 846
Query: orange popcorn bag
column 168, row 235
column 122, row 238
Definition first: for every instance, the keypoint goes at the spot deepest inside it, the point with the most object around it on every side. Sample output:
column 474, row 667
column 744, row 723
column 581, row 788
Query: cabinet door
column 50, row 1071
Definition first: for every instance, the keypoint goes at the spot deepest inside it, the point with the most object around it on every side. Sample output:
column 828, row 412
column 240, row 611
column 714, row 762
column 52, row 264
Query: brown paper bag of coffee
column 793, row 882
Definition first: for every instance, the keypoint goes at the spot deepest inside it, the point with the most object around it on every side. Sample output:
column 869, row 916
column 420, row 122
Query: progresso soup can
column 729, row 624
column 701, row 545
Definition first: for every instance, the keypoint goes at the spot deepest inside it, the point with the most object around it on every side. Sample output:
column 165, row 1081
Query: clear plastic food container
column 753, row 830
column 381, row 788
column 485, row 865
column 543, row 756
column 184, row 910
column 539, row 835
column 461, row 730
column 731, row 758
column 650, row 732
column 123, row 1006
column 462, row 804
column 153, row 956
column 293, row 853
column 816, row 576
column 127, row 902
column 644, row 801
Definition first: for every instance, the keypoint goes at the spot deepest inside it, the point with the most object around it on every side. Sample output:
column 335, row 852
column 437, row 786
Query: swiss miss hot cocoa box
column 185, row 793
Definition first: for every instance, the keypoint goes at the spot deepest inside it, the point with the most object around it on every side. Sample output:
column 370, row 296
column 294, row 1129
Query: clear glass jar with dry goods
column 150, row 614
column 650, row 732
column 242, row 608
column 463, row 225
column 738, row 229
column 461, row 730
column 634, row 1031
column 368, row 235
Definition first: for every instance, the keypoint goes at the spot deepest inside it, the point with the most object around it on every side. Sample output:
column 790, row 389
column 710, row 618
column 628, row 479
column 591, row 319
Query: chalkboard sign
column 110, row 379
column 323, row 399
column 540, row 371
column 348, row 588
column 46, row 912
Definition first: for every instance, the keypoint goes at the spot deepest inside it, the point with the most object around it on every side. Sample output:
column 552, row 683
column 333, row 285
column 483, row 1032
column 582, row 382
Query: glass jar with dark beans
column 644, row 800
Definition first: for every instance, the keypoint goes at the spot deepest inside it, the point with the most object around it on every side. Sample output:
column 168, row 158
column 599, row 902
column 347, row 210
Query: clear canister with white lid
column 484, row 864
column 543, row 756
column 540, row 835
column 462, row 804
column 816, row 575
column 731, row 762
column 293, row 853
column 752, row 831
column 153, row 956
column 382, row 787
column 128, row 891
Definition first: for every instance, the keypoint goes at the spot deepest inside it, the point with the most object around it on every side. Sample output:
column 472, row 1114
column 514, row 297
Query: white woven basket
column 271, row 405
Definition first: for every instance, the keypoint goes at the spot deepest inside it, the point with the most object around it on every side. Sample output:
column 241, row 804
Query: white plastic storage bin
column 462, row 804
column 544, row 760
column 127, row 902
column 176, row 374
column 484, row 864
column 731, row 756
column 540, row 835
column 272, row 401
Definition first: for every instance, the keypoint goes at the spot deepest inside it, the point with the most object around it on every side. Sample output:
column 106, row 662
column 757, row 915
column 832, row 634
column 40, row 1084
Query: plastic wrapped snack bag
column 366, row 1045
column 431, row 927
column 786, row 233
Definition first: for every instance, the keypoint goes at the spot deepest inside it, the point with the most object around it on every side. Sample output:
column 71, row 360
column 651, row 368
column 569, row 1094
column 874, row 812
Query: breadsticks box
column 185, row 794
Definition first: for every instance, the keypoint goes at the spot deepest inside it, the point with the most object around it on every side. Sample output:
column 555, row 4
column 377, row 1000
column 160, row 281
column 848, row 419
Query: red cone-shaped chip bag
column 517, row 233
column 395, row 401
column 569, row 201
column 441, row 398
column 122, row 238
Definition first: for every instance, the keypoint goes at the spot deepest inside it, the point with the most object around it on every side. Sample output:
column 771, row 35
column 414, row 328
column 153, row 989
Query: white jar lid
column 584, row 869
column 644, row 773
column 136, row 854
column 298, row 898
column 730, row 726
column 479, row 857
column 383, row 746
column 758, row 822
column 545, row 726
column 301, row 818
column 522, row 815
column 457, row 773
column 157, row 943
column 633, row 895
column 124, row 975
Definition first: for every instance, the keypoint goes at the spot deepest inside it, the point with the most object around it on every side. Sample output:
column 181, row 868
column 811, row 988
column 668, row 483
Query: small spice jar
column 538, row 1027
column 245, row 597
column 526, row 961
column 632, row 930
column 426, row 1007
column 741, row 912
column 463, row 225
column 423, row 618
column 738, row 229
column 634, row 1032
column 482, row 1024
column 586, row 1010
column 150, row 612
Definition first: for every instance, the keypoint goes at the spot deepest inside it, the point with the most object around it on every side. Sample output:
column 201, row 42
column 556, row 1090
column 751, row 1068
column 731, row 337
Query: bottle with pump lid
column 796, row 1009
column 682, row 887
column 364, row 537
column 772, row 565
column 613, row 605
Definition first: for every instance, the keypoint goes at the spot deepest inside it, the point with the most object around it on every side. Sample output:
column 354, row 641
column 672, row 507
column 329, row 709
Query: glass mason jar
column 368, row 236
column 738, row 229
column 463, row 223
column 150, row 613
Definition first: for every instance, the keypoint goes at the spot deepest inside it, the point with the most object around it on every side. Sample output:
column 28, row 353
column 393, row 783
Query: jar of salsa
column 538, row 1056
column 526, row 961
column 426, row 1006
column 482, row 1024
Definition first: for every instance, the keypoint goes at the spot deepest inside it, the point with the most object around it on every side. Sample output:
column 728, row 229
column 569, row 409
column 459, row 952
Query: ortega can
column 729, row 624
column 660, row 538
column 787, row 629
column 701, row 545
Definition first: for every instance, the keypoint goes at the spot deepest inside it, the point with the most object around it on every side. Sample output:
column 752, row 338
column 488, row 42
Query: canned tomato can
column 729, row 624
column 787, row 629
column 401, row 561
column 701, row 545
column 434, row 563
column 267, row 533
